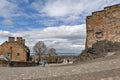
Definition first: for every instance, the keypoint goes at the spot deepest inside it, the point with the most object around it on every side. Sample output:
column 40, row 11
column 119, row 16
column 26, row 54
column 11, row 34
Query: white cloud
column 62, row 38
column 8, row 9
column 71, row 10
column 4, row 33
column 61, row 8
column 47, row 22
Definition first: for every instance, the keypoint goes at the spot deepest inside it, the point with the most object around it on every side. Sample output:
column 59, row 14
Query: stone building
column 103, row 25
column 15, row 50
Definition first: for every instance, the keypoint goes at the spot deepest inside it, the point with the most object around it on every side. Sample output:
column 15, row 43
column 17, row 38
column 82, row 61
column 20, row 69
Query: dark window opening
column 18, row 55
column 8, row 54
column 99, row 34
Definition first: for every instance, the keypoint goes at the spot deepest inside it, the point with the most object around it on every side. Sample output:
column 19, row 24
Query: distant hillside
column 67, row 54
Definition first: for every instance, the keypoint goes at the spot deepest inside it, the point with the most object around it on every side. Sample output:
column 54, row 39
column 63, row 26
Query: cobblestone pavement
column 100, row 70
column 113, row 74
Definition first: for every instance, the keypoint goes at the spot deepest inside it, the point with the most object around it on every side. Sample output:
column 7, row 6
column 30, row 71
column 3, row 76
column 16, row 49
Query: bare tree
column 39, row 48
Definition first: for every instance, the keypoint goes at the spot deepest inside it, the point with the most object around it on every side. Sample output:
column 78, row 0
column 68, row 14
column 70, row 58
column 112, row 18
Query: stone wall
column 16, row 64
column 103, row 25
column 4, row 64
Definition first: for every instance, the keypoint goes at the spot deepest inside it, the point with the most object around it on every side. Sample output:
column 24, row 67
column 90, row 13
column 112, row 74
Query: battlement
column 97, row 12
column 113, row 6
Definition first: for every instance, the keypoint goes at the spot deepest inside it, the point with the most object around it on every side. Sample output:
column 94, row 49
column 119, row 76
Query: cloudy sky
column 59, row 23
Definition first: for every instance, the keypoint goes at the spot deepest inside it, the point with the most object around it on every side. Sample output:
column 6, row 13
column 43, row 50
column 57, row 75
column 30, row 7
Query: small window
column 8, row 54
column 99, row 34
column 18, row 55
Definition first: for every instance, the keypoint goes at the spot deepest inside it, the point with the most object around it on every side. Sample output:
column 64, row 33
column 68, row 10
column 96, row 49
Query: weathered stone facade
column 103, row 25
column 15, row 50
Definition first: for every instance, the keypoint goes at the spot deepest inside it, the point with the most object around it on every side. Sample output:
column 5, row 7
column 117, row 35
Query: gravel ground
column 99, row 70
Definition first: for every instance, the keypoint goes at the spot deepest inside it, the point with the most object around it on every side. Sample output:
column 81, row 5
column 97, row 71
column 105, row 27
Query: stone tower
column 103, row 25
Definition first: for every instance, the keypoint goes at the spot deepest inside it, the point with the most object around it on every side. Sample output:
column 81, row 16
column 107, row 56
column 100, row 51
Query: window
column 8, row 54
column 18, row 55
column 99, row 34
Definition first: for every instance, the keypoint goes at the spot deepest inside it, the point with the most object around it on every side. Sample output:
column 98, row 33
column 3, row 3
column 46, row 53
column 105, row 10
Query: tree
column 39, row 48
column 52, row 52
column 52, row 56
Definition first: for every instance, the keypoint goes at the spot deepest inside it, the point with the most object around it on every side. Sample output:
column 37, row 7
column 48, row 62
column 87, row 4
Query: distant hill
column 67, row 54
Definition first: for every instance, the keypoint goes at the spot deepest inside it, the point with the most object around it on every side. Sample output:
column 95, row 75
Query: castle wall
column 90, row 31
column 113, row 23
column 95, row 28
column 103, row 25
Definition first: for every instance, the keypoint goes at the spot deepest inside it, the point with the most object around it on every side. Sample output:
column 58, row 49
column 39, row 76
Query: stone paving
column 105, row 70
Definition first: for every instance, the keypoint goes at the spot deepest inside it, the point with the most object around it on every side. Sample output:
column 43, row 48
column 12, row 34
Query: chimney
column 19, row 40
column 11, row 39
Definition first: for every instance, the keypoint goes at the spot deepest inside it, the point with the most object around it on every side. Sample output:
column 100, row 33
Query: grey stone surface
column 97, row 70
